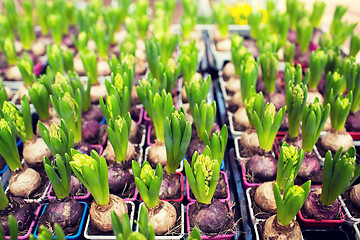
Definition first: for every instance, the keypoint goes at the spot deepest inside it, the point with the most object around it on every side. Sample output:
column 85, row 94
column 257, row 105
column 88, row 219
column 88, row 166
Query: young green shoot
column 148, row 182
column 197, row 91
column 295, row 99
column 8, row 48
column 118, row 133
column 26, row 65
column 203, row 175
column 289, row 163
column 145, row 227
column 339, row 174
column 55, row 58
column 11, row 13
column 81, row 42
column 351, row 73
column 338, row 15
column 269, row 64
column 333, row 82
column 317, row 64
column 264, row 119
column 354, row 45
column 8, row 147
column 42, row 9
column 59, row 139
column 76, row 83
column 40, row 99
column 146, row 90
column 313, row 120
column 26, row 33
column 295, row 10
column 69, row 109
column 304, row 32
column 56, row 27
column 204, row 118
column 222, row 17
column 101, row 39
column 188, row 60
column 45, row 234
column 20, row 122
column 317, row 13
column 239, row 53
column 177, row 134
column 189, row 19
column 170, row 76
column 255, row 23
column 13, row 229
column 89, row 61
column 93, row 173
column 289, row 52
column 248, row 78
column 340, row 108
column 289, row 205
column 59, row 173
column 217, row 143
column 4, row 201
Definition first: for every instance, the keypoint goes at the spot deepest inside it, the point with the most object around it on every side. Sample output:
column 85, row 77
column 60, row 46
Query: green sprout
column 40, row 99
column 204, row 118
column 141, row 17
column 69, row 109
column 289, row 205
column 222, row 17
column 84, row 90
column 4, row 199
column 289, row 52
column 55, row 58
column 26, row 65
column 8, row 148
column 289, row 163
column 45, row 234
column 295, row 97
column 334, row 82
column 334, row 60
column 59, row 173
column 170, row 76
column 313, row 120
column 269, row 64
column 93, row 173
column 339, row 174
column 118, row 133
column 317, row 13
column 8, row 48
column 163, row 15
column 3, row 96
column 239, row 53
column 148, row 182
column 59, row 139
column 248, row 78
column 354, row 45
column 20, row 122
column 317, row 64
column 189, row 19
column 101, row 39
column 197, row 91
column 203, row 175
column 26, row 33
column 13, row 228
column 255, row 23
column 89, row 61
column 264, row 119
column 146, row 89
column 338, row 15
column 42, row 9
column 11, row 13
column 295, row 10
column 304, row 32
column 177, row 134
column 56, row 27
column 81, row 42
column 188, row 60
column 195, row 234
column 351, row 73
column 217, row 143
column 85, row 19
column 340, row 108
column 145, row 227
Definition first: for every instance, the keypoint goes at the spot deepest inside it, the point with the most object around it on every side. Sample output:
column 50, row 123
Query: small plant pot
column 32, row 224
column 218, row 237
column 355, row 135
column 258, row 230
column 147, row 118
column 110, row 235
column 328, row 234
column 180, row 222
column 4, row 169
column 227, row 199
column 81, row 224
column 181, row 167
column 324, row 223
column 235, row 133
column 51, row 195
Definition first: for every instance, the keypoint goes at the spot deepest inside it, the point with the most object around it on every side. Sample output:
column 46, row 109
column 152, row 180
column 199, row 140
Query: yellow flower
column 240, row 12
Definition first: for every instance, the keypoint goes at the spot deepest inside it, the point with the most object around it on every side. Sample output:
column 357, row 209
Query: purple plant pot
column 218, row 237
column 227, row 199
column 99, row 148
column 134, row 197
column 38, row 68
column 146, row 117
column 32, row 225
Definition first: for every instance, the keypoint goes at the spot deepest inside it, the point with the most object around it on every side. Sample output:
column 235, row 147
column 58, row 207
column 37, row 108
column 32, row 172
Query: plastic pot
column 218, row 237
column 324, row 223
column 81, row 224
column 227, row 199
column 32, row 224
column 328, row 234
column 108, row 237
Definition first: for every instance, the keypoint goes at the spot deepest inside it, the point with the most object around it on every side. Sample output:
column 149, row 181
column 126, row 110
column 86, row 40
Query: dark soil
column 195, row 145
column 92, row 231
column 2, row 163
column 259, row 213
column 135, row 113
